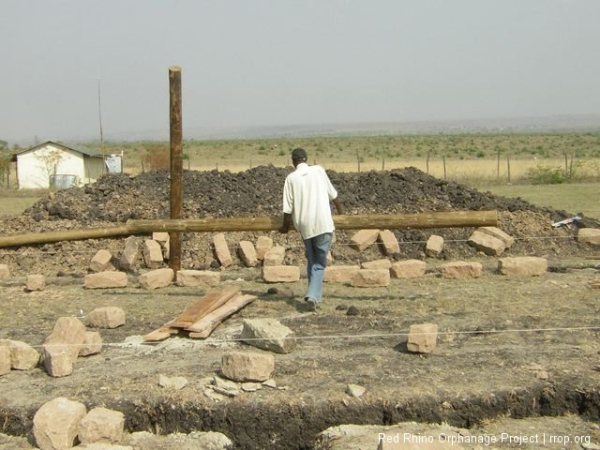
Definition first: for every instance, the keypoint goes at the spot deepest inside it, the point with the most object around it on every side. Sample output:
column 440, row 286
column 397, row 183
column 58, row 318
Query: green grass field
column 570, row 197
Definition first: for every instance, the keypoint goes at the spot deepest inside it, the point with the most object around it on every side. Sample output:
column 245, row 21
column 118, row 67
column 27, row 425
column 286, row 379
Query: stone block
column 247, row 366
column 422, row 338
column 194, row 278
column 268, row 334
column 411, row 268
column 389, row 242
column 58, row 360
column 371, row 278
column 61, row 347
column 364, row 239
column 498, row 234
column 22, row 355
column 523, row 266
column 92, row 344
column 164, row 240
column 56, row 423
column 105, row 280
column 5, row 360
column 434, row 246
column 130, row 254
column 247, row 253
column 157, row 278
column 4, row 272
column 340, row 274
column 263, row 245
column 586, row 236
column 153, row 255
column 461, row 269
column 101, row 425
column 275, row 256
column 377, row 264
column 222, row 250
column 162, row 237
column 281, row 274
column 487, row 243
column 107, row 317
column 35, row 282
column 102, row 261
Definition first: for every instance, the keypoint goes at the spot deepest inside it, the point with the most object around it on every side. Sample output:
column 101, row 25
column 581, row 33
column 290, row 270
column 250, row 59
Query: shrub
column 4, row 169
column 545, row 175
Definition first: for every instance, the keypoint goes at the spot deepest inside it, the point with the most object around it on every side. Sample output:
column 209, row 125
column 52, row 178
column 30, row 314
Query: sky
column 270, row 63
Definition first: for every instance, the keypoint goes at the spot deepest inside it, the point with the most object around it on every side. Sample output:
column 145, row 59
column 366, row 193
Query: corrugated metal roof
column 75, row 148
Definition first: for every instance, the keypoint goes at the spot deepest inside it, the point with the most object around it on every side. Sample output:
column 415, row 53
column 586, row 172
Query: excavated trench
column 280, row 426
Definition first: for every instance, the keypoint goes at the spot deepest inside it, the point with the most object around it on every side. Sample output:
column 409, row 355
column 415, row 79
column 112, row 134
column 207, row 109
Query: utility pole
column 101, row 130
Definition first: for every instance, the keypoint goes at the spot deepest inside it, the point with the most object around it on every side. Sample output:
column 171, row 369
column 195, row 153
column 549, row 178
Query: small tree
column 4, row 170
column 50, row 161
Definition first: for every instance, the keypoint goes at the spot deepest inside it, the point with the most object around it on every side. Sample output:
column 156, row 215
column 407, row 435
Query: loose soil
column 509, row 348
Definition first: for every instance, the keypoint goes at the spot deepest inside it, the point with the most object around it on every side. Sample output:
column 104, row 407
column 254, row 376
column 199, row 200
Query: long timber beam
column 452, row 219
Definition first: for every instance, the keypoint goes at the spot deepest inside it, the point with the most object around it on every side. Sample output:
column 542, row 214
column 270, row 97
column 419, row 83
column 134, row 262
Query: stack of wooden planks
column 201, row 318
column 594, row 284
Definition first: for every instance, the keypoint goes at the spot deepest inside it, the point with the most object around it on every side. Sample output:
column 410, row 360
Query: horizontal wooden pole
column 64, row 235
column 342, row 222
column 452, row 219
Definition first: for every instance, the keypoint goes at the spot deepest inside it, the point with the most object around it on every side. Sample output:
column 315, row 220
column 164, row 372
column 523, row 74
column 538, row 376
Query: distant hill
column 563, row 123
column 581, row 123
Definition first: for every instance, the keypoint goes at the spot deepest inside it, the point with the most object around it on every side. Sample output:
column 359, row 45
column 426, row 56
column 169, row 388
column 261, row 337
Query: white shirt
column 306, row 195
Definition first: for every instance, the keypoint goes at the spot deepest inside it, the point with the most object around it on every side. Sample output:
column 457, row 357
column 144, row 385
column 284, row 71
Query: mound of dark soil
column 258, row 192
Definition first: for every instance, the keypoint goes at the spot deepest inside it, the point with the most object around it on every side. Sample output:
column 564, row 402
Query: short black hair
column 299, row 153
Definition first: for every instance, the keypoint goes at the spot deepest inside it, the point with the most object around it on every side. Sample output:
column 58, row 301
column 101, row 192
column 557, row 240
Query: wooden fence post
column 176, row 165
column 444, row 162
column 498, row 168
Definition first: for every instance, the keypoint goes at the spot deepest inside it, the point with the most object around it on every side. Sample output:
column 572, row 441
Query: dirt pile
column 117, row 198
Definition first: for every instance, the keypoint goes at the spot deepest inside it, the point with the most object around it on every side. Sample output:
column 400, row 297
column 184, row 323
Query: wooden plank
column 205, row 326
column 594, row 284
column 204, row 306
column 161, row 333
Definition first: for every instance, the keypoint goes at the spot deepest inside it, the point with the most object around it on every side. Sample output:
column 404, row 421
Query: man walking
column 306, row 195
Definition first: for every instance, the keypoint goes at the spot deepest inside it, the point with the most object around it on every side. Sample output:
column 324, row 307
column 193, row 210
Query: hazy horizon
column 274, row 63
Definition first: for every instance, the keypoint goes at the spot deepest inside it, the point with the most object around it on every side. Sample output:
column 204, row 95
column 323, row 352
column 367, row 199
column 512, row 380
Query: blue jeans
column 316, row 258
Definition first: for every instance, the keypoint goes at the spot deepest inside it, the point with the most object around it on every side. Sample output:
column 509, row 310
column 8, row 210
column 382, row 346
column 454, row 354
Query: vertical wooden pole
column 176, row 164
column 571, row 167
column 498, row 168
column 444, row 162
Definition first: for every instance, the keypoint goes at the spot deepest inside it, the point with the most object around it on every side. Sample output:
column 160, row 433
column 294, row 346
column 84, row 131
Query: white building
column 54, row 165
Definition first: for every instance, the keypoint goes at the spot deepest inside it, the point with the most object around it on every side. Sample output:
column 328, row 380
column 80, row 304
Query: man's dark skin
column 287, row 218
